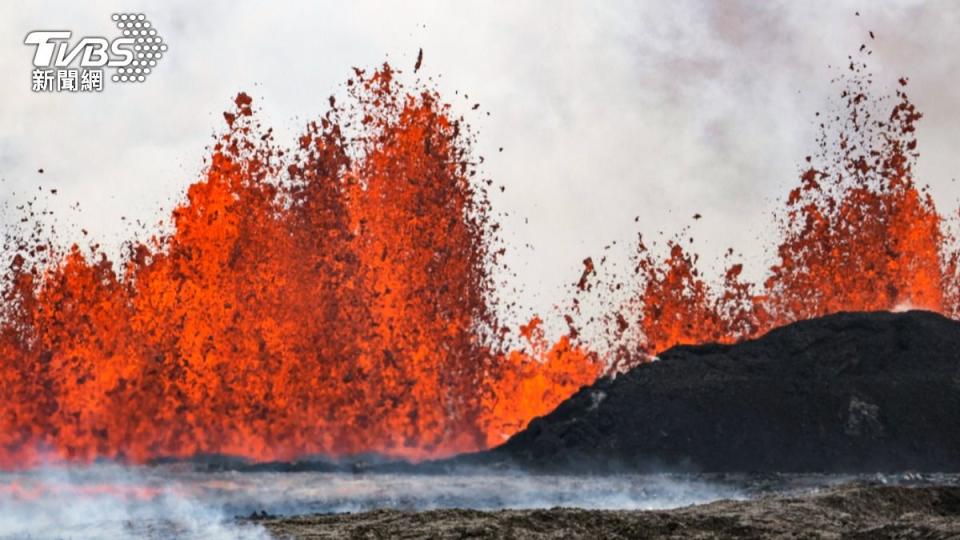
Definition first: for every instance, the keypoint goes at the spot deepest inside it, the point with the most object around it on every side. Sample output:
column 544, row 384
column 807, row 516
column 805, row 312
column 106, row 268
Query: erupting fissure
column 335, row 298
column 857, row 234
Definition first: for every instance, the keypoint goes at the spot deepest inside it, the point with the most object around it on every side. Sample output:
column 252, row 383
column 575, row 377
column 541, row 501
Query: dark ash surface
column 846, row 393
column 850, row 511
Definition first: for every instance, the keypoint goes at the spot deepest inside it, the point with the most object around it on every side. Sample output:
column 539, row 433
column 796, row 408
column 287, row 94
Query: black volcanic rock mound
column 851, row 392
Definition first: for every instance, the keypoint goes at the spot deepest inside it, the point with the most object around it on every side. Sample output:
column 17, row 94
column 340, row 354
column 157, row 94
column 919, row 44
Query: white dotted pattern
column 147, row 49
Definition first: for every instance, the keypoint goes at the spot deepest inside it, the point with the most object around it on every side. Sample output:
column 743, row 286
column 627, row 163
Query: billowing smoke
column 112, row 502
column 164, row 501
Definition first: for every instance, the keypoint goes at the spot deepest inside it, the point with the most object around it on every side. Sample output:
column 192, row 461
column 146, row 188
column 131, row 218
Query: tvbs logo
column 64, row 67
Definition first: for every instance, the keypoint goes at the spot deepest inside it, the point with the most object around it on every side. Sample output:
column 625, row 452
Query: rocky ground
column 850, row 392
column 850, row 511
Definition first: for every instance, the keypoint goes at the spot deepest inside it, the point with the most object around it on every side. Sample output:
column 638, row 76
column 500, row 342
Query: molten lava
column 336, row 298
column 856, row 234
column 330, row 299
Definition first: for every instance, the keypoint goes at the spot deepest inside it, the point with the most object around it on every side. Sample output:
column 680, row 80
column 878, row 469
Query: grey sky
column 605, row 110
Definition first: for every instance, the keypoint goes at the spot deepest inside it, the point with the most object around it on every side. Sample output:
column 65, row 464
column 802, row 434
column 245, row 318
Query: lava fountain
column 336, row 298
column 332, row 298
column 857, row 234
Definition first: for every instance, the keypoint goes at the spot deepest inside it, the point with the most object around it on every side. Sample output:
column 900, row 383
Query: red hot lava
column 857, row 234
column 335, row 298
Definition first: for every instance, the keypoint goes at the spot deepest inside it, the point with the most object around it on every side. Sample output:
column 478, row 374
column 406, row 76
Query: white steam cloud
column 116, row 502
